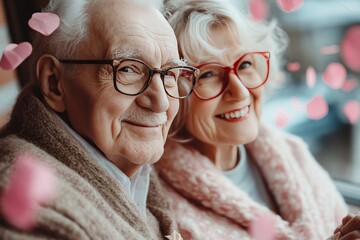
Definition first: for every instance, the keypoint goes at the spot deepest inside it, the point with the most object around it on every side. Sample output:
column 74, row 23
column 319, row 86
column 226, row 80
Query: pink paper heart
column 289, row 5
column 14, row 55
column 31, row 183
column 44, row 23
column 335, row 75
column 349, row 85
column 282, row 118
column 350, row 48
column 317, row 108
column 310, row 77
column 328, row 50
column 263, row 228
column 351, row 110
column 17, row 208
column 293, row 67
column 259, row 9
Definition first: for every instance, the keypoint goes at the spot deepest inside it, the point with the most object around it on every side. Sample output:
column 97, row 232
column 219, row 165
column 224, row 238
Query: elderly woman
column 222, row 168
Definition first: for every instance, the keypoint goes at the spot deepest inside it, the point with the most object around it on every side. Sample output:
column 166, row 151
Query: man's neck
column 129, row 169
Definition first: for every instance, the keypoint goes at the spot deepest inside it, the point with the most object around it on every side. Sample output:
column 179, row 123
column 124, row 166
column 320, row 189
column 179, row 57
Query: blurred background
column 318, row 98
column 9, row 85
column 324, row 44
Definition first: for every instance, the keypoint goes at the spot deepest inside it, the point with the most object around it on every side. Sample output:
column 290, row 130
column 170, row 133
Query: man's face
column 129, row 130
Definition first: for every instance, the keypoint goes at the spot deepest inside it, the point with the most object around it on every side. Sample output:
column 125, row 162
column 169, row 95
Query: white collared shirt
column 137, row 187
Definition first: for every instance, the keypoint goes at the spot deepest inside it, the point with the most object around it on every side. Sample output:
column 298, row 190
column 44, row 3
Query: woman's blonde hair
column 193, row 20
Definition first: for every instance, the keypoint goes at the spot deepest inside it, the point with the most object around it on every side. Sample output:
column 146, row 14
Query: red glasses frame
column 228, row 69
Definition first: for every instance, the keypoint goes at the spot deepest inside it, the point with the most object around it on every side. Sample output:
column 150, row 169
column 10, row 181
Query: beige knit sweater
column 89, row 203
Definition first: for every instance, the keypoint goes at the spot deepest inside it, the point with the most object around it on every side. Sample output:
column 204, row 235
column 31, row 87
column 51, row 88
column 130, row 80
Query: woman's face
column 233, row 117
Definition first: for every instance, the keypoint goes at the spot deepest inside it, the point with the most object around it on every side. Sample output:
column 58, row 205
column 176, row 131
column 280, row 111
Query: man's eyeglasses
column 132, row 76
column 251, row 68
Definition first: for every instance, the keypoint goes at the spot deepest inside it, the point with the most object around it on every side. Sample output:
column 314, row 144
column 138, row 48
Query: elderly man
column 105, row 91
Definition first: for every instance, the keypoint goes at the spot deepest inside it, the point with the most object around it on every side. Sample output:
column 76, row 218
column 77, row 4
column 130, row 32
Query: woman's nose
column 235, row 89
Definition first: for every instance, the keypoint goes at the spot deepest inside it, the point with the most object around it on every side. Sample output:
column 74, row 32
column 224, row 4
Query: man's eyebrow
column 127, row 53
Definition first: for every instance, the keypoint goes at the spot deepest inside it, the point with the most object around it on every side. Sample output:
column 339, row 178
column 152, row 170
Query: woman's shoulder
column 274, row 133
column 270, row 136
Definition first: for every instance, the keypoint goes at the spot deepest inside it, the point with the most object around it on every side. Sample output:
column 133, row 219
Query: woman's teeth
column 236, row 114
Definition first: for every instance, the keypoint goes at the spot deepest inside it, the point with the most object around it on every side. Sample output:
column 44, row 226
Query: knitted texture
column 90, row 204
column 207, row 205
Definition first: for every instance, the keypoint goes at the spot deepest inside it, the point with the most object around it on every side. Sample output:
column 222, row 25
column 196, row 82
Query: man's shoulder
column 78, row 210
column 10, row 147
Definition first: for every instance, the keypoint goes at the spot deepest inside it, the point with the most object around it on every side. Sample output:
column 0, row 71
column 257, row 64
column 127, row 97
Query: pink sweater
column 207, row 205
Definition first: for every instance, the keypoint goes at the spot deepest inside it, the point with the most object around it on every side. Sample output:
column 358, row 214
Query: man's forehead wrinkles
column 149, row 51
column 136, row 28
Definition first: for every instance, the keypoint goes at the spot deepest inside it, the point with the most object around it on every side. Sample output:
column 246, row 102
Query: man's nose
column 155, row 97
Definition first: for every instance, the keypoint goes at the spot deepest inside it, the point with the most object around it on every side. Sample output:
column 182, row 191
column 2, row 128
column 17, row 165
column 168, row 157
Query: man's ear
column 48, row 75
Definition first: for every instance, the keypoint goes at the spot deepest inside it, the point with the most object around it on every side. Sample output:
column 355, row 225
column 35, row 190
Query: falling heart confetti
column 317, row 108
column 31, row 183
column 310, row 77
column 293, row 67
column 350, row 48
column 289, row 5
column 282, row 118
column 259, row 9
column 351, row 110
column 14, row 55
column 350, row 85
column 44, row 23
column 335, row 75
column 263, row 228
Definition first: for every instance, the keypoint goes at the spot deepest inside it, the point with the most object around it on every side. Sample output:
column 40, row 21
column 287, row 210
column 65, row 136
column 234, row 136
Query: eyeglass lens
column 133, row 76
column 178, row 82
column 251, row 69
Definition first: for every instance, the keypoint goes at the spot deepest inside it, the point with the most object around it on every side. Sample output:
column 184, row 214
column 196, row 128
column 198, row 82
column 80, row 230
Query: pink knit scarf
column 310, row 207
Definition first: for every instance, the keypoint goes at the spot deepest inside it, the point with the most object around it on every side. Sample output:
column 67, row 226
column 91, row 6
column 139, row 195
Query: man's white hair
column 158, row 4
column 74, row 19
column 73, row 25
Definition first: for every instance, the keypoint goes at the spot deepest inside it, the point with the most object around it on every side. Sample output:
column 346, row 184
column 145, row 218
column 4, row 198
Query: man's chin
column 145, row 152
column 139, row 149
column 130, row 160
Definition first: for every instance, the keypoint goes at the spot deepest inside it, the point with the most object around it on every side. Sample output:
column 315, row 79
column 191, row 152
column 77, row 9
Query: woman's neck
column 224, row 157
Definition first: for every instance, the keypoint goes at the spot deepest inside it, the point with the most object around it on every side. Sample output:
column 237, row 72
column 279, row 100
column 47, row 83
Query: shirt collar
column 137, row 187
